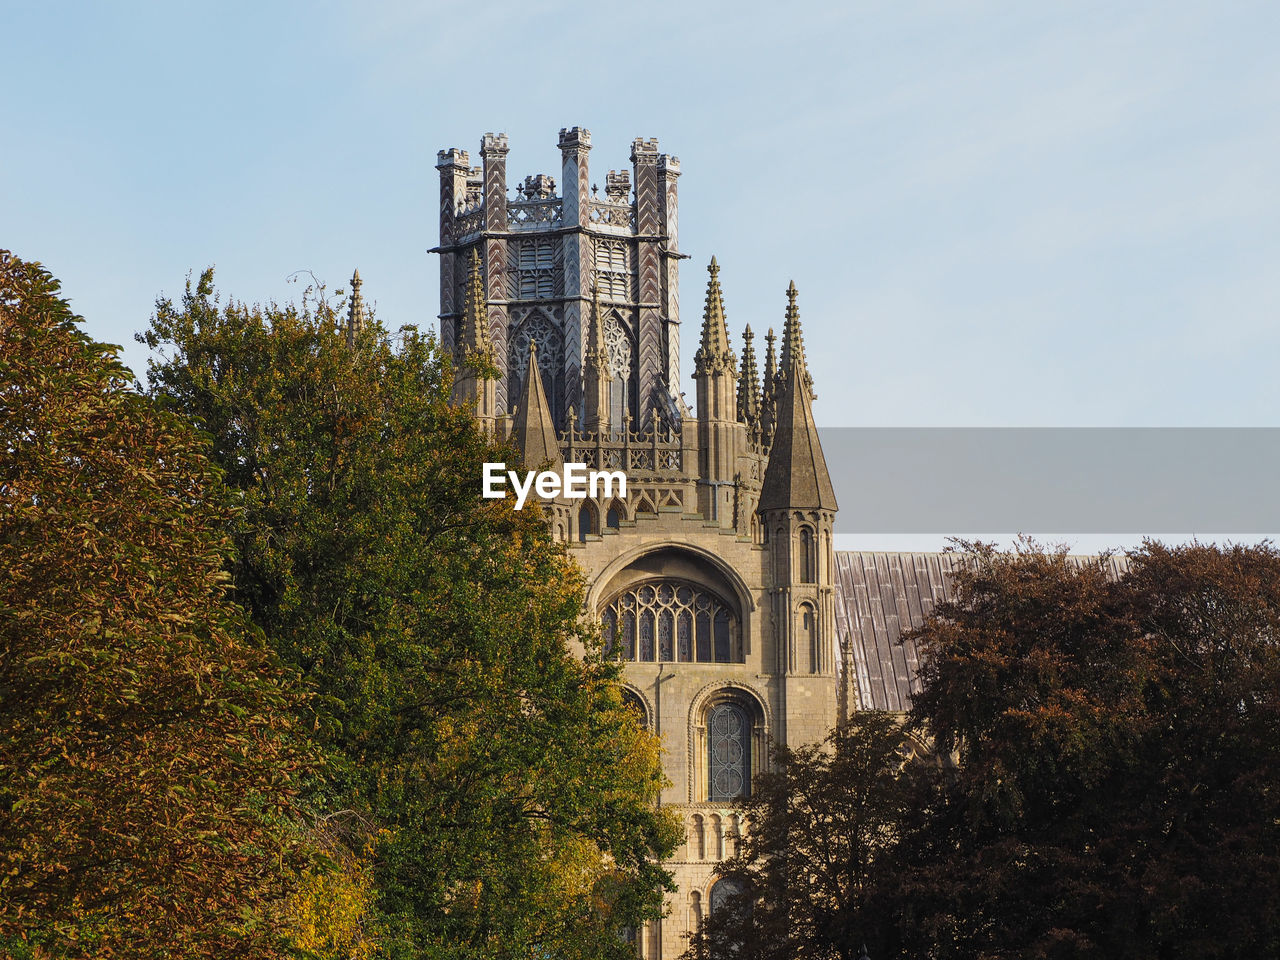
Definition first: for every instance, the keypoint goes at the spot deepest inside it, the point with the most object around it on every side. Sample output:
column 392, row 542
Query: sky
column 996, row 213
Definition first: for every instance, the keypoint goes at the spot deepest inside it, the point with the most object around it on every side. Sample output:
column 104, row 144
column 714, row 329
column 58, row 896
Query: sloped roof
column 878, row 597
column 796, row 475
column 534, row 430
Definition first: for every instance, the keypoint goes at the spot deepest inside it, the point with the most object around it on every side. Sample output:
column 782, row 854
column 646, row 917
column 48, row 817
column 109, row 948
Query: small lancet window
column 807, row 564
column 586, row 521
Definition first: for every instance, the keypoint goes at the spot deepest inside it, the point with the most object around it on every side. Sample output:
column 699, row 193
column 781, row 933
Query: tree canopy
column 1117, row 788
column 148, row 751
column 816, row 867
column 507, row 797
column 1109, row 786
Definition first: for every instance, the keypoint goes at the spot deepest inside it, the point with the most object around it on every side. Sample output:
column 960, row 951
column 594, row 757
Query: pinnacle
column 748, row 382
column 355, row 310
column 473, row 333
column 713, row 352
column 793, row 342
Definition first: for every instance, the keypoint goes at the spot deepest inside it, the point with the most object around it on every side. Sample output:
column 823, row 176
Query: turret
column 493, row 251
column 716, row 376
column 456, row 174
column 575, row 154
column 798, row 508
column 650, row 247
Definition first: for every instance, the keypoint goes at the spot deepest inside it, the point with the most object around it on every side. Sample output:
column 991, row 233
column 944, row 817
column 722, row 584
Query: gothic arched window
column 618, row 347
column 672, row 620
column 542, row 330
column 614, row 517
column 729, row 749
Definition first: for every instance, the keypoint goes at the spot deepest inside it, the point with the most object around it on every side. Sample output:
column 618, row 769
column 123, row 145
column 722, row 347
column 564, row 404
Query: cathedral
column 715, row 578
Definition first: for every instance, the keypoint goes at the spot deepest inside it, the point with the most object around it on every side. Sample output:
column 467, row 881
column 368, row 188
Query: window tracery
column 538, row 328
column 617, row 342
column 673, row 621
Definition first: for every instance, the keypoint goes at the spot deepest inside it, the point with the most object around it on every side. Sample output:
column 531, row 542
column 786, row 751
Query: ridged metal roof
column 880, row 596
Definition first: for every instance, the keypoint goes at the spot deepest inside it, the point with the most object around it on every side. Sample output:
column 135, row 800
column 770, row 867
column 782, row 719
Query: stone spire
column 596, row 375
column 355, row 310
column 749, row 384
column 713, row 354
column 796, row 477
column 793, row 342
column 769, row 402
column 534, row 430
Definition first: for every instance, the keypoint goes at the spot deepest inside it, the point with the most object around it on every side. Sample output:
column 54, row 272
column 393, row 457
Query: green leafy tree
column 147, row 754
column 508, row 796
column 1117, row 791
column 817, row 867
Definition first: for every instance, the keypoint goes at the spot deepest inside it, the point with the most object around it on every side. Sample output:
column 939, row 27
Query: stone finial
column 713, row 354
column 355, row 310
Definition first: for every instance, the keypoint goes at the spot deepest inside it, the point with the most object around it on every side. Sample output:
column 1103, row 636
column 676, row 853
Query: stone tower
column 713, row 578
column 543, row 254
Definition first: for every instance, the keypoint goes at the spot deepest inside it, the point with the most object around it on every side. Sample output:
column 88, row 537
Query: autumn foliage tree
column 148, row 757
column 1118, row 787
column 507, row 797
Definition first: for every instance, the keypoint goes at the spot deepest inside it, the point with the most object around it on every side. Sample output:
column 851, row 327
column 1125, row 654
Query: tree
column 509, row 796
column 817, row 870
column 1117, row 737
column 148, row 756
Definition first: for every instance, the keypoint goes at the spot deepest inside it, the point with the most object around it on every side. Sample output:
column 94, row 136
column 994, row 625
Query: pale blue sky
column 997, row 213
